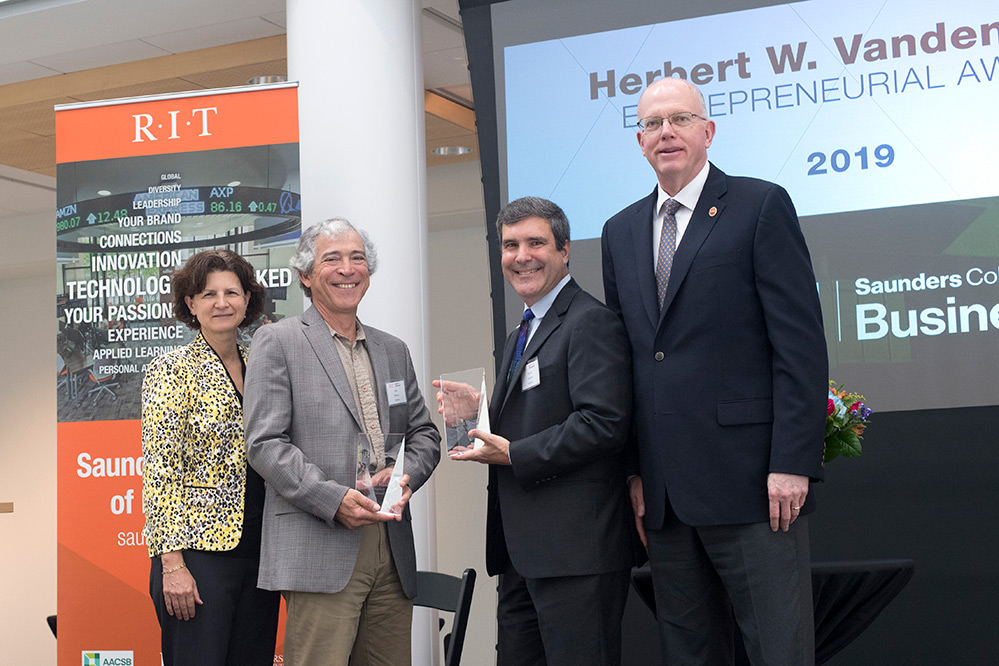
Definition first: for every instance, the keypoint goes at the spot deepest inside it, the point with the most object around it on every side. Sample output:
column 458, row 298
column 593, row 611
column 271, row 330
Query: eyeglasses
column 678, row 120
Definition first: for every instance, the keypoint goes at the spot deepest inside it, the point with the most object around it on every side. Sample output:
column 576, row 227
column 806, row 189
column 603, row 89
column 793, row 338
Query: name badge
column 532, row 375
column 396, row 392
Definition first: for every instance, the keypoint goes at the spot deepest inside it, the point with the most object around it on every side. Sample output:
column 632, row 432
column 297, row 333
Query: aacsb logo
column 108, row 658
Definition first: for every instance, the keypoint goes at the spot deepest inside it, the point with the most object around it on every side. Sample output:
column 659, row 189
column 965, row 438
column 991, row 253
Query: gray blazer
column 301, row 435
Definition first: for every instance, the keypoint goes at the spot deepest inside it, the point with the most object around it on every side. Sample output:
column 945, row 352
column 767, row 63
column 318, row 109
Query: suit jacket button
column 660, row 356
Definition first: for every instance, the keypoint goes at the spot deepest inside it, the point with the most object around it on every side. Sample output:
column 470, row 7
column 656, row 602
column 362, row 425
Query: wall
column 27, row 438
column 460, row 339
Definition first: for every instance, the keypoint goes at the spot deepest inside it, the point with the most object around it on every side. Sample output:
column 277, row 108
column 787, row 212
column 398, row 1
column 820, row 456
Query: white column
column 360, row 73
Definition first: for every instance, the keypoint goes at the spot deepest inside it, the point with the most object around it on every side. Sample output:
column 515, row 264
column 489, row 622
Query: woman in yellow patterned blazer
column 203, row 503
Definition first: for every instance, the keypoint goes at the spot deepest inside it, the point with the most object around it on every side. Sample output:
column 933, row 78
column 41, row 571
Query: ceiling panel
column 438, row 128
column 69, row 27
column 100, row 56
column 277, row 18
column 23, row 71
column 202, row 37
column 448, row 67
column 139, row 89
column 37, row 154
column 438, row 36
column 9, row 133
column 460, row 93
column 36, row 117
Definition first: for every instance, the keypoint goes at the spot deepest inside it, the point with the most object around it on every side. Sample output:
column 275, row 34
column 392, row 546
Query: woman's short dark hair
column 190, row 280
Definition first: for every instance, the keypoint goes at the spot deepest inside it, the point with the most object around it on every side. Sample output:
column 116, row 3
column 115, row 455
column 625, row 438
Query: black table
column 847, row 597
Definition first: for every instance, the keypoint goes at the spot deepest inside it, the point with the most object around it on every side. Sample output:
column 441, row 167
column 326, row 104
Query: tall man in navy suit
column 558, row 531
column 713, row 281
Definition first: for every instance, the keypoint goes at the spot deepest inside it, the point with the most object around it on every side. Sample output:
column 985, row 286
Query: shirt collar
column 346, row 340
column 690, row 193
column 540, row 309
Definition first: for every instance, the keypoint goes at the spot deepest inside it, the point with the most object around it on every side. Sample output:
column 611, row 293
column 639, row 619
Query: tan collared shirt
column 361, row 376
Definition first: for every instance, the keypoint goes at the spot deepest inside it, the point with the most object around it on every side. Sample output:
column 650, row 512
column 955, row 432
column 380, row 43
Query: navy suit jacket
column 731, row 376
column 561, row 508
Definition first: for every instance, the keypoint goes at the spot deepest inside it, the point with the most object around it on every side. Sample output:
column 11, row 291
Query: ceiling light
column 262, row 80
column 104, row 193
column 449, row 151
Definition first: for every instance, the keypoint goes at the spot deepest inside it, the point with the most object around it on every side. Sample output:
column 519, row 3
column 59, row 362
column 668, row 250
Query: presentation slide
column 878, row 119
column 842, row 102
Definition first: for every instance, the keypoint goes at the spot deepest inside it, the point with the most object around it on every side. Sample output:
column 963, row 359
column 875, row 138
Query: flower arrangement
column 846, row 420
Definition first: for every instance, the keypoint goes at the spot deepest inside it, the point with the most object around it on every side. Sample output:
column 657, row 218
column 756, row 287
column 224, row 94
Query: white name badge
column 396, row 392
column 532, row 375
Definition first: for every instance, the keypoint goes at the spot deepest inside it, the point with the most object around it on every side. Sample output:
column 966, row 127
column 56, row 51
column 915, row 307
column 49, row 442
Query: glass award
column 380, row 461
column 466, row 407
column 393, row 491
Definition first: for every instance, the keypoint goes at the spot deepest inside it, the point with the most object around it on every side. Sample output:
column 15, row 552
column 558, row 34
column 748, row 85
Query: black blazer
column 730, row 379
column 561, row 508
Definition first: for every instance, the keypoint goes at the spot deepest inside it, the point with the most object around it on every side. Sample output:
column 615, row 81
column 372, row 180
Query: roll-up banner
column 143, row 184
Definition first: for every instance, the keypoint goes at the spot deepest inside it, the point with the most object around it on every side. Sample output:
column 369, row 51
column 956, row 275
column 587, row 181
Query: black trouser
column 563, row 621
column 236, row 625
column 702, row 574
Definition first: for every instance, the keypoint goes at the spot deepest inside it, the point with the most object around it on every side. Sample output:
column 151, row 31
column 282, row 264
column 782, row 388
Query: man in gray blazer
column 313, row 385
column 558, row 526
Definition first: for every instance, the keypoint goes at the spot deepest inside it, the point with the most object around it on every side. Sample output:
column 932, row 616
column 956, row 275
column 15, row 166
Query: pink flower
column 855, row 406
column 831, row 408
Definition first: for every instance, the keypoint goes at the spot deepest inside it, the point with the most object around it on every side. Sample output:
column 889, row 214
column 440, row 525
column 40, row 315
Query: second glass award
column 466, row 407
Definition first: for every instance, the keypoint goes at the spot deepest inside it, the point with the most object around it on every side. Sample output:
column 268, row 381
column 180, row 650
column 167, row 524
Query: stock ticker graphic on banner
column 143, row 184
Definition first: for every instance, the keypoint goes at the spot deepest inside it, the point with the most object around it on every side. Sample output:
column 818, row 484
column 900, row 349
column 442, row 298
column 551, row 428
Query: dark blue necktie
column 525, row 326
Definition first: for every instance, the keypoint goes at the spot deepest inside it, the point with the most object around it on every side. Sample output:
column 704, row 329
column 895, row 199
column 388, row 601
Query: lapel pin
column 713, row 211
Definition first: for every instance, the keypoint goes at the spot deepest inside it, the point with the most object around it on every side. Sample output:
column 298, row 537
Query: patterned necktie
column 667, row 246
column 525, row 326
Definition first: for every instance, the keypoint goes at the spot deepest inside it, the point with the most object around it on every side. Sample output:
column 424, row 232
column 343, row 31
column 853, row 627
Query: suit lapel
column 701, row 223
column 318, row 334
column 500, row 391
column 551, row 321
column 641, row 232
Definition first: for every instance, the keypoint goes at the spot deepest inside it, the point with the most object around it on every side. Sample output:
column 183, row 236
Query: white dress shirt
column 687, row 198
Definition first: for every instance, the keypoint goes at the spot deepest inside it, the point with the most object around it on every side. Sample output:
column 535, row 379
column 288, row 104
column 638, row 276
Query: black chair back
column 448, row 593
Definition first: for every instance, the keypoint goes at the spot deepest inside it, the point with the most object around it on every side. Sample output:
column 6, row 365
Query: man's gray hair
column 525, row 207
column 335, row 227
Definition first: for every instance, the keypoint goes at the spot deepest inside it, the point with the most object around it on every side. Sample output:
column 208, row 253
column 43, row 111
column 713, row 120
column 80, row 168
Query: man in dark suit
column 558, row 531
column 713, row 281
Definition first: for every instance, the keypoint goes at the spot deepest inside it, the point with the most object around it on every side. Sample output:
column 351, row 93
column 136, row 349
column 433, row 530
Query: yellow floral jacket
column 194, row 461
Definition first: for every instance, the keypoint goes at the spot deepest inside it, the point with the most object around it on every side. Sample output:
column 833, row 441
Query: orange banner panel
column 100, row 492
column 115, row 618
column 103, row 562
column 177, row 125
